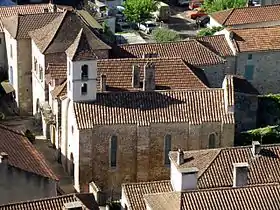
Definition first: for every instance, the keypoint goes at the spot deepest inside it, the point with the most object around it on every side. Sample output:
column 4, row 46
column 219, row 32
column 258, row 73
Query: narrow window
column 212, row 141
column 84, row 74
column 167, row 148
column 113, row 152
column 41, row 73
column 11, row 50
column 84, row 89
column 249, row 71
column 250, row 56
column 11, row 75
column 69, row 85
column 0, row 41
column 69, row 64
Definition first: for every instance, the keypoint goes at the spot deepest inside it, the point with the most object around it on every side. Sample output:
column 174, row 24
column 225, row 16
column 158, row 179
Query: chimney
column 180, row 157
column 3, row 157
column 102, row 83
column 256, row 148
column 136, row 76
column 54, row 8
column 150, row 55
column 240, row 174
column 149, row 77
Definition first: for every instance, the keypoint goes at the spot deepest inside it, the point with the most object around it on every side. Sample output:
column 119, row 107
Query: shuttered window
column 249, row 72
column 212, row 141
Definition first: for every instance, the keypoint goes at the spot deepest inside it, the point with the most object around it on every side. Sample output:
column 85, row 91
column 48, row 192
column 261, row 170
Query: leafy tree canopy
column 218, row 5
column 165, row 35
column 209, row 31
column 139, row 10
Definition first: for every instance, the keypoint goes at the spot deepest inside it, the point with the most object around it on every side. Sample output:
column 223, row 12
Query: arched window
column 113, row 151
column 212, row 141
column 167, row 148
column 84, row 89
column 84, row 73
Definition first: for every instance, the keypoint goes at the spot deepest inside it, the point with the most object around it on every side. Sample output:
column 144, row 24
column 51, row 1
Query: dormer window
column 84, row 89
column 84, row 73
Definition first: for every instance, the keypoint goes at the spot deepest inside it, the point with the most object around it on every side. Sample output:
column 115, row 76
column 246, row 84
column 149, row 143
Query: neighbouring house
column 212, row 54
column 8, row 11
column 245, row 100
column 221, row 173
column 49, row 44
column 121, row 117
column 18, row 45
column 247, row 17
column 257, row 56
column 25, row 175
column 77, row 201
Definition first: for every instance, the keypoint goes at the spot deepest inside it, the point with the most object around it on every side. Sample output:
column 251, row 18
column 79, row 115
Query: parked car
column 196, row 13
column 195, row 4
column 147, row 27
column 183, row 2
column 203, row 21
column 125, row 26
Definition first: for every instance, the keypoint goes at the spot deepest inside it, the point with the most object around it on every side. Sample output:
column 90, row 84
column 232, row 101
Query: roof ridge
column 40, row 199
column 62, row 19
column 232, row 10
column 254, row 28
column 140, row 58
column 147, row 182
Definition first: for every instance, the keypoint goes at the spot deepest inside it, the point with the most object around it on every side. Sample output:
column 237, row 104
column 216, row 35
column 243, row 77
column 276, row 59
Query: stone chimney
column 240, row 174
column 150, row 55
column 149, row 77
column 54, row 8
column 256, row 148
column 136, row 76
column 102, row 83
column 180, row 157
column 3, row 157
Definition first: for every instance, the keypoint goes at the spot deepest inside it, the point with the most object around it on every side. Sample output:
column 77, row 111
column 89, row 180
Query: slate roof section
column 261, row 197
column 191, row 51
column 144, row 108
column 218, row 44
column 257, row 39
column 54, row 203
column 170, row 73
column 20, row 25
column 217, row 170
column 248, row 15
column 134, row 192
column 58, row 35
column 80, row 49
column 22, row 154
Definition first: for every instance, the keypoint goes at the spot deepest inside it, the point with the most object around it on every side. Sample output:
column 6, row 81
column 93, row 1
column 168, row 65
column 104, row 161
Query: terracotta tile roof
column 56, row 71
column 261, row 197
column 58, row 35
column 19, row 26
column 217, row 43
column 54, row 203
column 241, row 85
column 217, row 172
column 60, row 90
column 134, row 192
column 191, row 51
column 80, row 49
column 257, row 39
column 144, row 108
column 170, row 73
column 22, row 154
column 248, row 15
column 24, row 9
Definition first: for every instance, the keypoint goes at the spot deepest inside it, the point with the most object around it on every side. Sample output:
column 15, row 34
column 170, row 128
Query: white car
column 147, row 27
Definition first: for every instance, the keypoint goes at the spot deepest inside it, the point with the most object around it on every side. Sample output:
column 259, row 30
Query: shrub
column 209, row 31
column 165, row 35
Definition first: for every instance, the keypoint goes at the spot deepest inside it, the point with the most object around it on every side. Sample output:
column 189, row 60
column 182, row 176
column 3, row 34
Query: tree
column 165, row 35
column 209, row 31
column 138, row 11
column 218, row 5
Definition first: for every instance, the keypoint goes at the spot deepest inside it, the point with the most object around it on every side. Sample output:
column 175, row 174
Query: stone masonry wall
column 25, row 76
column 140, row 155
column 266, row 75
column 55, row 58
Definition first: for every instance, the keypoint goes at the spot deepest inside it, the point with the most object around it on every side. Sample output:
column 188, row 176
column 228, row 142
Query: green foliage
column 139, row 11
column 266, row 135
column 218, row 5
column 165, row 35
column 108, row 33
column 209, row 31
